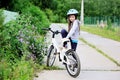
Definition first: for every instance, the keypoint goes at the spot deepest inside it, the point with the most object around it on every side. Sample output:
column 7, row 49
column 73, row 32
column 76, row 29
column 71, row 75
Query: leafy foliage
column 39, row 18
column 1, row 18
column 20, row 70
column 60, row 7
column 21, row 39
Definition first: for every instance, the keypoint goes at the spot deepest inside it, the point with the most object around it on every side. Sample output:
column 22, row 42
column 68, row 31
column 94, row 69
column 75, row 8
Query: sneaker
column 66, row 46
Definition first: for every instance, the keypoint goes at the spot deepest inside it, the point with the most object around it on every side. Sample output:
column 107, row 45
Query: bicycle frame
column 60, row 49
column 68, row 56
column 55, row 44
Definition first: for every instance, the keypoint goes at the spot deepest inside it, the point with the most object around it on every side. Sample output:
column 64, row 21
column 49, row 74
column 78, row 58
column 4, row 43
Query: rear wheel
column 51, row 56
column 74, row 66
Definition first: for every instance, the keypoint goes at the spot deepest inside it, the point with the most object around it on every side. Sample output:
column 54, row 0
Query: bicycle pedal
column 60, row 60
column 64, row 63
column 55, row 53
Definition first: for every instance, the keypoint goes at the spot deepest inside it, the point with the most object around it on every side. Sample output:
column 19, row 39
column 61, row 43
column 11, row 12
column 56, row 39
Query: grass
column 113, row 34
column 52, row 68
column 100, row 51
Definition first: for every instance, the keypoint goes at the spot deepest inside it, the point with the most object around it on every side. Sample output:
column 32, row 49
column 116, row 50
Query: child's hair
column 69, row 22
column 71, row 12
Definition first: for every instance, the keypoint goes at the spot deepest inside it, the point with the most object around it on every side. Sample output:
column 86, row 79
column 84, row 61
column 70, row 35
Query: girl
column 73, row 29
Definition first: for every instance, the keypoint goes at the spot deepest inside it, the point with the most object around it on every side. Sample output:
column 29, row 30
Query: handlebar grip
column 46, row 28
column 49, row 29
column 57, row 32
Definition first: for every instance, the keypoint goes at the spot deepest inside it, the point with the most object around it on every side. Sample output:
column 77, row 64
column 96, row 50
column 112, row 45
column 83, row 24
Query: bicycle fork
column 61, row 51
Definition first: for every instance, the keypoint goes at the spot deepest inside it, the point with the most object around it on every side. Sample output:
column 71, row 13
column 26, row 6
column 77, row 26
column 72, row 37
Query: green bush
column 109, row 25
column 23, row 70
column 19, row 70
column 51, row 16
column 39, row 19
column 23, row 37
column 63, row 20
column 1, row 18
column 18, row 5
column 5, row 69
column 20, row 38
column 20, row 41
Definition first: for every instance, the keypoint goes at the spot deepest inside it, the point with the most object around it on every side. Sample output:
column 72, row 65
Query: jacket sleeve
column 74, row 27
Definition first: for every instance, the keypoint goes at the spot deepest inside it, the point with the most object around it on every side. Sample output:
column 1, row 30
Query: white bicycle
column 67, row 56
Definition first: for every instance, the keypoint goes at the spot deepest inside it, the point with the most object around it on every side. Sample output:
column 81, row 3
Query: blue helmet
column 72, row 11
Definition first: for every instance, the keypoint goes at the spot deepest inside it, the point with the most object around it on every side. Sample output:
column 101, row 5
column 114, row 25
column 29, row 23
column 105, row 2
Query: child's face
column 72, row 18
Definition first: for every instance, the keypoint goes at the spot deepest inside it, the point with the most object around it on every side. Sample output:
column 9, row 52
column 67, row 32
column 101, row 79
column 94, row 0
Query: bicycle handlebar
column 49, row 29
column 46, row 28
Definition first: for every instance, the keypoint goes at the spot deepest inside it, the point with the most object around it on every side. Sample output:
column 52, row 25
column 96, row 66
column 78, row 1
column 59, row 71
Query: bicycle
column 67, row 56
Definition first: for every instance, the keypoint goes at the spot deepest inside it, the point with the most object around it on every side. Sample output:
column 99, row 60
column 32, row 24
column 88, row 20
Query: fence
column 97, row 20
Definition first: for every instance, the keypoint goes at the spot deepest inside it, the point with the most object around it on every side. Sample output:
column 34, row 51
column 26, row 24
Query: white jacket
column 74, row 31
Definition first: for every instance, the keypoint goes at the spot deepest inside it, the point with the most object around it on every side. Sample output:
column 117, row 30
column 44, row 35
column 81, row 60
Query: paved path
column 108, row 46
column 94, row 65
column 85, row 75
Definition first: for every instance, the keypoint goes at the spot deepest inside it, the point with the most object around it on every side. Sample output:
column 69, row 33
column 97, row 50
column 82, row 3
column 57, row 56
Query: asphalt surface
column 94, row 66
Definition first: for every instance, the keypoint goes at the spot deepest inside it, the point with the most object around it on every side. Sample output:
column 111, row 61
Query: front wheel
column 51, row 56
column 73, row 66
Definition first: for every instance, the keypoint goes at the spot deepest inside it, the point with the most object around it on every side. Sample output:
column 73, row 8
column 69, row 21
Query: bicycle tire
column 76, row 66
column 51, row 56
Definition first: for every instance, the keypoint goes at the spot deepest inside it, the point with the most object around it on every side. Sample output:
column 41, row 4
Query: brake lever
column 57, row 32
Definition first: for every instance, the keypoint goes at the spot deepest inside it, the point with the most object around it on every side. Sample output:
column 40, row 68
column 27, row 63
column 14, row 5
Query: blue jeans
column 64, row 33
